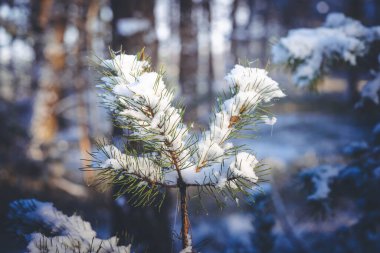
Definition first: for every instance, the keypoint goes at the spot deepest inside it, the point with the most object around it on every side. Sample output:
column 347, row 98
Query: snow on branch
column 370, row 92
column 250, row 87
column 321, row 177
column 56, row 231
column 172, row 156
column 310, row 51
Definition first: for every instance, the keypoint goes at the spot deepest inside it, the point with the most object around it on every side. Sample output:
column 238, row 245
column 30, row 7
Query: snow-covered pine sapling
column 168, row 154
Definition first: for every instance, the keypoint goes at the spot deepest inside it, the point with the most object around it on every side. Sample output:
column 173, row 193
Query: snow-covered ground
column 299, row 134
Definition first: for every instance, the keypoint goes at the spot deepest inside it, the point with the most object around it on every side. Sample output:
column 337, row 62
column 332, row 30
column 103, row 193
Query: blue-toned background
column 50, row 116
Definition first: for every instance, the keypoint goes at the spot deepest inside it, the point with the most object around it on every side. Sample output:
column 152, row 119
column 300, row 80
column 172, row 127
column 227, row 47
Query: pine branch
column 250, row 88
column 171, row 156
column 311, row 52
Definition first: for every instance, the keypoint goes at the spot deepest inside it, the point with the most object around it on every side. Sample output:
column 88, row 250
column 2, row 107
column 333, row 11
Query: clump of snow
column 352, row 27
column 242, row 166
column 370, row 91
column 254, row 80
column 308, row 51
column 188, row 249
column 126, row 66
column 62, row 233
column 140, row 167
column 269, row 121
column 321, row 177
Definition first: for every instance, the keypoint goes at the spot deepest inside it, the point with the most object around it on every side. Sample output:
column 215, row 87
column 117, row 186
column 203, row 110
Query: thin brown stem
column 185, row 218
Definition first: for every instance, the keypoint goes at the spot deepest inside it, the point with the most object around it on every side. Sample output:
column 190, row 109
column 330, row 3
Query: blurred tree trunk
column 251, row 7
column 211, row 73
column 239, row 48
column 188, row 69
column 134, row 27
column 352, row 85
column 295, row 14
column 148, row 227
column 354, row 9
column 44, row 124
column 264, row 57
column 235, row 5
column 40, row 15
column 86, row 16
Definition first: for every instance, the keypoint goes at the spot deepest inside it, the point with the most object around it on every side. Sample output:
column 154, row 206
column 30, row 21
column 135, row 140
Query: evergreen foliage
column 168, row 153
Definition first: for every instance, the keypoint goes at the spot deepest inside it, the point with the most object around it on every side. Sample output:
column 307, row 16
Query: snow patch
column 131, row 26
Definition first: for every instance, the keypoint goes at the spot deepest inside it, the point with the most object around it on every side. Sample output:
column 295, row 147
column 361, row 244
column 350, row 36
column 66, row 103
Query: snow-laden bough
column 311, row 51
column 48, row 230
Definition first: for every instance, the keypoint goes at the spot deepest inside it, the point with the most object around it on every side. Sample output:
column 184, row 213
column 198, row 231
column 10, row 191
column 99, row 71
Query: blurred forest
column 50, row 116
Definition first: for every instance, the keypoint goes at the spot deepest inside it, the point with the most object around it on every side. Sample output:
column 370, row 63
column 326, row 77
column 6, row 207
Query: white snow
column 308, row 51
column 241, row 166
column 126, row 66
column 130, row 26
column 269, row 121
column 136, row 166
column 321, row 177
column 188, row 249
column 370, row 91
column 70, row 232
column 255, row 80
column 43, row 244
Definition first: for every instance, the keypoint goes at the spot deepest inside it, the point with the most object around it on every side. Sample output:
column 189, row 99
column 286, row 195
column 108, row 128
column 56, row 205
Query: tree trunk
column 39, row 21
column 211, row 73
column 352, row 86
column 45, row 121
column 132, row 43
column 87, row 11
column 189, row 57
